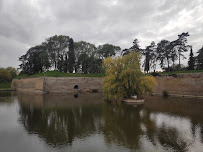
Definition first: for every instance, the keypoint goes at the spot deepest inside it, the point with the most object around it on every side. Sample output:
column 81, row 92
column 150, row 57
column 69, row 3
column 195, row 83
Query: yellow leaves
column 147, row 83
column 5, row 75
column 124, row 77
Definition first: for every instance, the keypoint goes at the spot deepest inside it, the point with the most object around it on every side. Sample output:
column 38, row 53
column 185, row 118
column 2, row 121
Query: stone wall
column 180, row 84
column 52, row 84
column 68, row 84
column 35, row 85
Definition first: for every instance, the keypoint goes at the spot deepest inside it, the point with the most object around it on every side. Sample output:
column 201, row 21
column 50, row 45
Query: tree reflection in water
column 61, row 120
column 60, row 125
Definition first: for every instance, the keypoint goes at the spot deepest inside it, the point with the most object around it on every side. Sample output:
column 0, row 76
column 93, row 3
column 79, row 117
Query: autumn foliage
column 124, row 77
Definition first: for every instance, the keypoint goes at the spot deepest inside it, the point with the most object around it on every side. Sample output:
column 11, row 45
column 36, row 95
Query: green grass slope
column 61, row 74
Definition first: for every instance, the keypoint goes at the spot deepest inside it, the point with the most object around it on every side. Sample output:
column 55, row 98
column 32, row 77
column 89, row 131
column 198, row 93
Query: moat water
column 85, row 123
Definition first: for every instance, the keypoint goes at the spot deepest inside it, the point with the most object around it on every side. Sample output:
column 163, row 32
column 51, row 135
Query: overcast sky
column 26, row 23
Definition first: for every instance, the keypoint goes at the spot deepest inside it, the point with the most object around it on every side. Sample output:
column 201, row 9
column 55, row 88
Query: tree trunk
column 179, row 61
column 55, row 65
column 168, row 64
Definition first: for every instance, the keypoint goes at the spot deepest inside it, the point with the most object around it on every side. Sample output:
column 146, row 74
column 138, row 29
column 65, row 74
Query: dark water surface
column 37, row 123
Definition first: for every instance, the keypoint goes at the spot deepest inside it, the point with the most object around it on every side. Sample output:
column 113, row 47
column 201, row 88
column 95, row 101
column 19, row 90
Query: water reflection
column 5, row 93
column 122, row 125
column 171, row 124
column 60, row 119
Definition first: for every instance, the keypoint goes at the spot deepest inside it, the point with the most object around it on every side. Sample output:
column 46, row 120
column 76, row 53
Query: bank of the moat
column 179, row 84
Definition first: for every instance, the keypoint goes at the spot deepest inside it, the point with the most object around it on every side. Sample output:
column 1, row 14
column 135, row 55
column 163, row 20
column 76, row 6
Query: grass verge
column 178, row 72
column 5, row 85
column 61, row 74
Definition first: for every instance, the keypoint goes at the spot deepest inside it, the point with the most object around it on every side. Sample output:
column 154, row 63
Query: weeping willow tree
column 124, row 77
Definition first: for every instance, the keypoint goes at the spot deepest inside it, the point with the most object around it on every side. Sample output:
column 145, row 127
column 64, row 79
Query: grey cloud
column 25, row 23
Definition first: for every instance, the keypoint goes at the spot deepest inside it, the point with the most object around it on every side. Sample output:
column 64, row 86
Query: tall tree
column 199, row 59
column 83, row 47
column 181, row 45
column 35, row 60
column 164, row 53
column 66, row 64
column 174, row 52
column 136, row 46
column 191, row 62
column 57, row 47
column 71, row 56
column 150, row 55
column 84, row 62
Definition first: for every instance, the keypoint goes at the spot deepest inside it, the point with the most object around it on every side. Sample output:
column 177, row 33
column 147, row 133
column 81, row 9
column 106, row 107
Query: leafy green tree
column 60, row 64
column 191, row 62
column 199, row 59
column 62, row 54
column 83, row 47
column 57, row 48
column 164, row 53
column 44, row 57
column 65, row 66
column 173, row 52
column 36, row 60
column 71, row 56
column 107, row 50
column 83, row 61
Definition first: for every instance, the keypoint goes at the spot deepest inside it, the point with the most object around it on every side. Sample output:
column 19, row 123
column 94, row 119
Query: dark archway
column 76, row 87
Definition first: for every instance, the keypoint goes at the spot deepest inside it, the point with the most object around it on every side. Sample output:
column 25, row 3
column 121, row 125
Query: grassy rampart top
column 60, row 74
column 63, row 74
column 180, row 72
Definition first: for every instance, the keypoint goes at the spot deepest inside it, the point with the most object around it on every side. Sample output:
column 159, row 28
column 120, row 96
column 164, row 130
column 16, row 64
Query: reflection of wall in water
column 62, row 118
column 60, row 99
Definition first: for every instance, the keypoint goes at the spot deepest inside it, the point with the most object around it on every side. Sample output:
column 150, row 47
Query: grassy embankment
column 60, row 74
column 5, row 86
column 63, row 74
column 178, row 72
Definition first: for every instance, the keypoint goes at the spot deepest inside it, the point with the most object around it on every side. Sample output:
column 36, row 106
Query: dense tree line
column 166, row 53
column 63, row 54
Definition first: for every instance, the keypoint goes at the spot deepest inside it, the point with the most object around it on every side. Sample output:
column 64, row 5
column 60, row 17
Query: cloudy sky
column 26, row 23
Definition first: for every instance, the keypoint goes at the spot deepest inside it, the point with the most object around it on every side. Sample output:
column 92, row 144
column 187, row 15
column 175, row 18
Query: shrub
column 5, row 76
column 94, row 90
column 155, row 74
column 165, row 93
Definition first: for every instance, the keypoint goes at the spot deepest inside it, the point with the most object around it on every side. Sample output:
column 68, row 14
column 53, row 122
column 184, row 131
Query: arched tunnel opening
column 76, row 87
